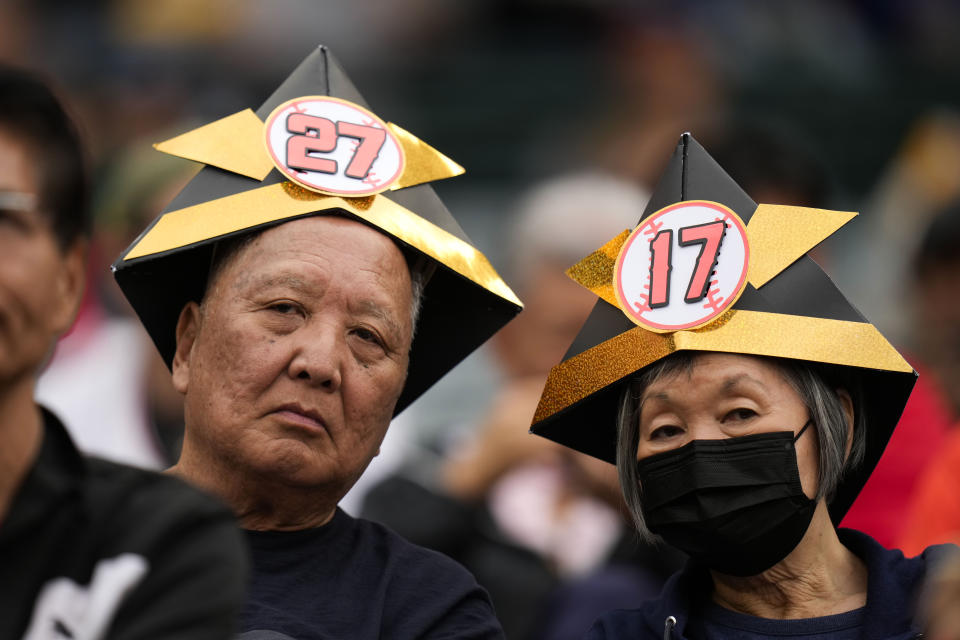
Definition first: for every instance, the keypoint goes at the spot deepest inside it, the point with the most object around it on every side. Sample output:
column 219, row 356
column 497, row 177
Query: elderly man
column 88, row 548
column 283, row 286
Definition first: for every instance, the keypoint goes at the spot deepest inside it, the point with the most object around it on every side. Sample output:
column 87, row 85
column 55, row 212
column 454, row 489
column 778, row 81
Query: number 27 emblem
column 683, row 266
column 333, row 146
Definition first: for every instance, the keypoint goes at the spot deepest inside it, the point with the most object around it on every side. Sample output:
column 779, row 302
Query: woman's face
column 722, row 396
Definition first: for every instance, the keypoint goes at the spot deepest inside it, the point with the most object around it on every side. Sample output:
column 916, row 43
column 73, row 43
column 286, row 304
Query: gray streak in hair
column 420, row 273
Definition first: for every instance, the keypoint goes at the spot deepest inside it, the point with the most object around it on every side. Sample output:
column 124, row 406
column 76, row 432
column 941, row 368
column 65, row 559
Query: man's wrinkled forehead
column 226, row 251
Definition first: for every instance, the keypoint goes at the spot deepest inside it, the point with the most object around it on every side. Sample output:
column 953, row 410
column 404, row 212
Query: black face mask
column 736, row 505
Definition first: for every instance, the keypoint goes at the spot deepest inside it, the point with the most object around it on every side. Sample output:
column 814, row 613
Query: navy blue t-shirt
column 355, row 579
column 718, row 623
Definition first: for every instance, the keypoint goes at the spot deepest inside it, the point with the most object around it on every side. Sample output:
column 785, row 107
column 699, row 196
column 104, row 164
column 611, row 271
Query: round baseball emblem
column 333, row 146
column 683, row 266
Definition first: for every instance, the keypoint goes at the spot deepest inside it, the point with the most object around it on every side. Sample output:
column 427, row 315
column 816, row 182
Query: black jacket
column 88, row 544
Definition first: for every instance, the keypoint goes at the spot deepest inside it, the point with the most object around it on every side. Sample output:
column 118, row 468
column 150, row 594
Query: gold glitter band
column 855, row 344
column 595, row 272
column 281, row 201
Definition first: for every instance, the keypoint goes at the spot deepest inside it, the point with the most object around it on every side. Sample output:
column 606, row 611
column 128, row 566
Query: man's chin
column 294, row 464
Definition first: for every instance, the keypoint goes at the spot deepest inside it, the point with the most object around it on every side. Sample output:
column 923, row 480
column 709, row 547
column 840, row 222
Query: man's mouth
column 299, row 415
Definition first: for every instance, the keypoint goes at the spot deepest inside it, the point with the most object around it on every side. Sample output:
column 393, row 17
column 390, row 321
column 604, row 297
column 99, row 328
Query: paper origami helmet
column 707, row 269
column 315, row 148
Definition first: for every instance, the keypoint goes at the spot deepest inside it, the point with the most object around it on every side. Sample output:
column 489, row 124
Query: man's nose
column 318, row 357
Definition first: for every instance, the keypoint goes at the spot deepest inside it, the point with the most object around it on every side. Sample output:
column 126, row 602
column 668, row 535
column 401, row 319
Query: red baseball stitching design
column 371, row 178
column 643, row 299
column 712, row 301
column 651, row 228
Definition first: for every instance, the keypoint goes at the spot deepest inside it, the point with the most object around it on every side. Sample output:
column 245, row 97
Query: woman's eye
column 740, row 414
column 666, row 431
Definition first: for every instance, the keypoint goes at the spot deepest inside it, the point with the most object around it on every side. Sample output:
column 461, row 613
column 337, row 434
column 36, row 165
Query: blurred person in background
column 935, row 292
column 940, row 604
column 933, row 514
column 910, row 501
column 88, row 548
column 297, row 321
column 524, row 514
column 105, row 377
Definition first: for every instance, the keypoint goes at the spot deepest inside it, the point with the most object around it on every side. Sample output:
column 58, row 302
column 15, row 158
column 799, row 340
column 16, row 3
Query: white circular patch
column 333, row 146
column 683, row 266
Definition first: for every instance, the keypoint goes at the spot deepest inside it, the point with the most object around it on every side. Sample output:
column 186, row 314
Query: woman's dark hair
column 30, row 112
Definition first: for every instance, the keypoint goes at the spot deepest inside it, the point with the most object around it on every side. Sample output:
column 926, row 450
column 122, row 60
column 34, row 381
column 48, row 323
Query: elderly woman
column 745, row 403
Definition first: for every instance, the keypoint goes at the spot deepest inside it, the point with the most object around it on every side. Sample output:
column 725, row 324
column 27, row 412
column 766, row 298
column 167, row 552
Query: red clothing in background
column 881, row 507
column 933, row 515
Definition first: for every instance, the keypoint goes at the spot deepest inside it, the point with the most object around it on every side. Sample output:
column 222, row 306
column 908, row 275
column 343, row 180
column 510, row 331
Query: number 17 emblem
column 683, row 266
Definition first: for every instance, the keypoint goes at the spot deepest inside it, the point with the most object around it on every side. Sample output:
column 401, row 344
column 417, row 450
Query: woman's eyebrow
column 662, row 396
column 734, row 382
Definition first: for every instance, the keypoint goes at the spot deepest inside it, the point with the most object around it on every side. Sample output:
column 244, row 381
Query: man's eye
column 14, row 219
column 666, row 431
column 367, row 335
column 283, row 308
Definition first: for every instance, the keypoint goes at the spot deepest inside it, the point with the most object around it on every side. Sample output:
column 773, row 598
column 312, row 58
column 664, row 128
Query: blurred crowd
column 562, row 113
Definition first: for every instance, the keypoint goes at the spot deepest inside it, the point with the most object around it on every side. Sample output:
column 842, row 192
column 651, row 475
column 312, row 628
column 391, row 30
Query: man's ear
column 847, row 403
column 70, row 283
column 188, row 326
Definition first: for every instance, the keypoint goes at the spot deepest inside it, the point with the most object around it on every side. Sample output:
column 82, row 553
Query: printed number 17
column 709, row 236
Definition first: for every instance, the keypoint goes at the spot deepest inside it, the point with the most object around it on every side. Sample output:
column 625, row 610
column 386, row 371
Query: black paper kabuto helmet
column 315, row 148
column 707, row 269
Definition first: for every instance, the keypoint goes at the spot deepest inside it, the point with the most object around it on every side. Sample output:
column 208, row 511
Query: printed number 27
column 708, row 236
column 327, row 133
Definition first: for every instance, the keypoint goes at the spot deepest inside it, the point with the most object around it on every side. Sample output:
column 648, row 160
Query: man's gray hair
column 808, row 380
column 421, row 270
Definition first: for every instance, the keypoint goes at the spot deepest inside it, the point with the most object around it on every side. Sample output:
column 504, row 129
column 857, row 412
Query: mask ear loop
column 804, row 428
